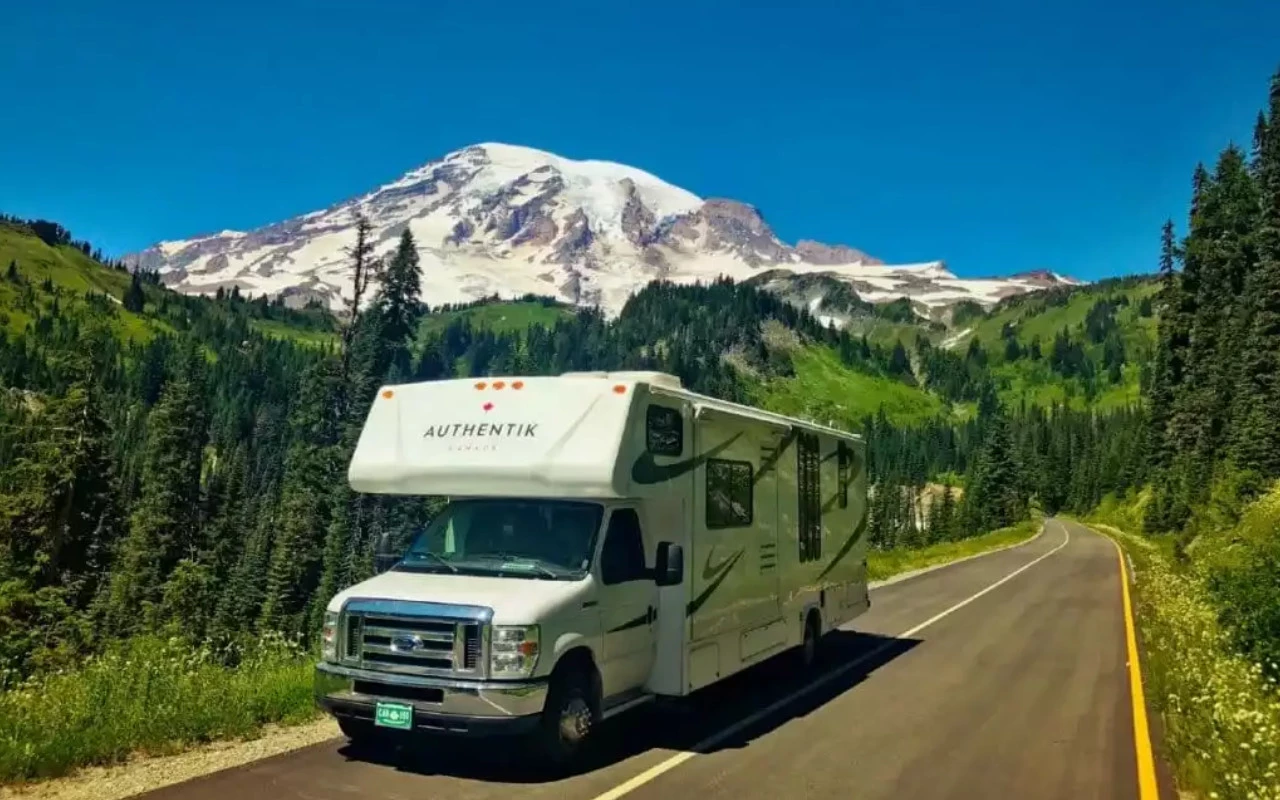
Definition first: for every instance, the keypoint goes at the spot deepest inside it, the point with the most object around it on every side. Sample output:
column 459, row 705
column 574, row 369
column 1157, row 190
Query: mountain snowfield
column 497, row 219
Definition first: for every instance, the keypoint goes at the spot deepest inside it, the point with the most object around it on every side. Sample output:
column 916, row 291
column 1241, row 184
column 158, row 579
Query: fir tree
column 164, row 521
column 399, row 298
column 994, row 498
column 134, row 299
column 1256, row 417
column 312, row 467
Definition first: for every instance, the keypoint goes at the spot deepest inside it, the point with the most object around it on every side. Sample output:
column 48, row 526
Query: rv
column 609, row 539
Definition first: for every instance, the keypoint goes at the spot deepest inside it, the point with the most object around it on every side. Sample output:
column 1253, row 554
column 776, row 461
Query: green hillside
column 1043, row 314
column 66, row 269
column 825, row 390
column 1082, row 346
column 498, row 316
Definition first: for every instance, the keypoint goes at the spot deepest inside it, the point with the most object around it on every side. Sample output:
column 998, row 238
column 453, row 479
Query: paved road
column 1000, row 677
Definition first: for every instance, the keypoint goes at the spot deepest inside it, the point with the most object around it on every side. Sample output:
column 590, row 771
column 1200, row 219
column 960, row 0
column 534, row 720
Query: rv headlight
column 513, row 651
column 329, row 637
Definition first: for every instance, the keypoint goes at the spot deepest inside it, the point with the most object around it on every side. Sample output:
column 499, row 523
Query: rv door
column 627, row 604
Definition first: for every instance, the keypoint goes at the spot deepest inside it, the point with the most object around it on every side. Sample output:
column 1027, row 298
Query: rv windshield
column 516, row 537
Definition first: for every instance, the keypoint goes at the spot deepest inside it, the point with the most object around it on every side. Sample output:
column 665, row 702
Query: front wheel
column 568, row 720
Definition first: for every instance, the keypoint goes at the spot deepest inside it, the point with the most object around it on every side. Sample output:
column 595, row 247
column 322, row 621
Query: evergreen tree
column 164, row 522
column 942, row 514
column 994, row 497
column 1256, row 417
column 364, row 269
column 134, row 299
column 399, row 299
column 313, row 467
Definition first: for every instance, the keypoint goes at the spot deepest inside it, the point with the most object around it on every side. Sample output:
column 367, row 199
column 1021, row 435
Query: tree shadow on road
column 706, row 722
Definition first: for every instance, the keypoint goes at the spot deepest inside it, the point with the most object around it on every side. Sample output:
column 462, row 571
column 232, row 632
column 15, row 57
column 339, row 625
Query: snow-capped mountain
column 500, row 219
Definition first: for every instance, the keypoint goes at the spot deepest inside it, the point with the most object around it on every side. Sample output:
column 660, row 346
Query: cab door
column 628, row 611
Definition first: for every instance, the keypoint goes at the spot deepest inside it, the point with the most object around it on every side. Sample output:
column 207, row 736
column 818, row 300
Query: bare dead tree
column 364, row 269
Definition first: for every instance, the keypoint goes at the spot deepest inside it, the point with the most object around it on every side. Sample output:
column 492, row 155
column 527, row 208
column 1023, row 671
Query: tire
column 809, row 647
column 565, row 732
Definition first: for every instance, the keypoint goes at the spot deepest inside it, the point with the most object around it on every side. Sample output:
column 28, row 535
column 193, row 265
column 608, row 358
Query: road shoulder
column 146, row 773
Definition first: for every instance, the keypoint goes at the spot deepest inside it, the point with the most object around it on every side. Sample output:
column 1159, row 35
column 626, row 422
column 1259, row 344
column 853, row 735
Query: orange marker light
column 499, row 384
column 481, row 385
column 517, row 385
column 387, row 394
column 619, row 389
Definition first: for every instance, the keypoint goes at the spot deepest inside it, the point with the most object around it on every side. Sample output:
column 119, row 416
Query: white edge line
column 902, row 576
column 716, row 738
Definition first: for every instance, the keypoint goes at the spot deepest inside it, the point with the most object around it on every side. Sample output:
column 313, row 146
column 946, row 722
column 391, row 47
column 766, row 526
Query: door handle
column 653, row 615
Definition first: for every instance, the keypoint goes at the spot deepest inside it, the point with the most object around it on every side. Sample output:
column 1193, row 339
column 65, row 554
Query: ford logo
column 405, row 644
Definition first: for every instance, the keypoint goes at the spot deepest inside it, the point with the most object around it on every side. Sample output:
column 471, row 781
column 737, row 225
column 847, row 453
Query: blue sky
column 998, row 136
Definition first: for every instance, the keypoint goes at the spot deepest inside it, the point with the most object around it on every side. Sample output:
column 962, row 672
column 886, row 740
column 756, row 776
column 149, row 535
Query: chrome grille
column 412, row 645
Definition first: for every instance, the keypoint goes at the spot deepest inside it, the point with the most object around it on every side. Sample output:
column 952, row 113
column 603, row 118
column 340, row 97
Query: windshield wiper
column 525, row 563
column 439, row 559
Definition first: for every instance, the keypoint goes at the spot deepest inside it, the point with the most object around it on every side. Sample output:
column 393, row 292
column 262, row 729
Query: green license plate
column 394, row 715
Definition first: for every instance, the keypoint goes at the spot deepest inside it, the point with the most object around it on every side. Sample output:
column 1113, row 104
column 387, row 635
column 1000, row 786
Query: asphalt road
column 1000, row 677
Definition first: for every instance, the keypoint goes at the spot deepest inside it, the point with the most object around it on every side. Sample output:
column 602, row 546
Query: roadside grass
column 148, row 696
column 1220, row 710
column 882, row 564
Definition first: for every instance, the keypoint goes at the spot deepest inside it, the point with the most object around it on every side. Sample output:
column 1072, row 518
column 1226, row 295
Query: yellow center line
column 1147, row 787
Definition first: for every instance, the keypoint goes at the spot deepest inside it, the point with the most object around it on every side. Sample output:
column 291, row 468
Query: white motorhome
column 609, row 538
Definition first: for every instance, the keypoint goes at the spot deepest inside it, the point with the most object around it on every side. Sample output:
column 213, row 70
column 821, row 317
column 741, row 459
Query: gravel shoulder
column 145, row 773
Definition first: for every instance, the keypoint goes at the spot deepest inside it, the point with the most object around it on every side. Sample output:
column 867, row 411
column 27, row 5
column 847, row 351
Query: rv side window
column 843, row 458
column 664, row 431
column 622, row 559
column 729, row 494
column 809, row 496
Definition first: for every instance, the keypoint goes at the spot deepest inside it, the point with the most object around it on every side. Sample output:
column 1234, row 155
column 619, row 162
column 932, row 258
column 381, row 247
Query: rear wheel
column 569, row 719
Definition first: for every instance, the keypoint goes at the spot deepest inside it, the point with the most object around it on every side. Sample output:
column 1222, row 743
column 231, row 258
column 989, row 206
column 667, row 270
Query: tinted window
column 729, row 494
column 809, row 499
column 622, row 559
column 844, row 459
column 664, row 431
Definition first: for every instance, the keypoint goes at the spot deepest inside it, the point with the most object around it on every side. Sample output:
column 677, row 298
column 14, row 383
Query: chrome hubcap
column 575, row 720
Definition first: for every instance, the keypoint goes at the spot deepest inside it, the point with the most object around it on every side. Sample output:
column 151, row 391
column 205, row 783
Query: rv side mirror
column 670, row 566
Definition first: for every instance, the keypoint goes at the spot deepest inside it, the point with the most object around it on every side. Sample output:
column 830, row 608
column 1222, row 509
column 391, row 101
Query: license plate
column 394, row 715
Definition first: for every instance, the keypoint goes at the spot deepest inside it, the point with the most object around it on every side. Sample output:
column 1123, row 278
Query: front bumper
column 474, row 708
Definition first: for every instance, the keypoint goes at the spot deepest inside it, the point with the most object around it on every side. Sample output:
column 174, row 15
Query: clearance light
column 481, row 385
column 517, row 385
column 619, row 389
column 387, row 394
column 499, row 385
